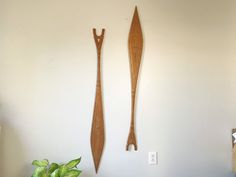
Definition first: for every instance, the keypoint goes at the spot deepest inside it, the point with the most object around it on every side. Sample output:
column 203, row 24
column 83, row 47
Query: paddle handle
column 132, row 136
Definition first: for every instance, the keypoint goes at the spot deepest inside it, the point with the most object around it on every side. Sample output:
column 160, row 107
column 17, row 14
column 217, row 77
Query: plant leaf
column 73, row 163
column 39, row 171
column 72, row 173
column 42, row 163
column 62, row 170
column 52, row 168
column 45, row 175
column 55, row 173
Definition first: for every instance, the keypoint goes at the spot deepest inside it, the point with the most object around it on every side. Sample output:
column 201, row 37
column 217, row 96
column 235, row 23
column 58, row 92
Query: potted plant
column 44, row 169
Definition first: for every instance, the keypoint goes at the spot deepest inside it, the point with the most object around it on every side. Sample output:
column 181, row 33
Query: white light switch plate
column 152, row 158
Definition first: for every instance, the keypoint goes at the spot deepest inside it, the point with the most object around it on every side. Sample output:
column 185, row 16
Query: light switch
column 152, row 158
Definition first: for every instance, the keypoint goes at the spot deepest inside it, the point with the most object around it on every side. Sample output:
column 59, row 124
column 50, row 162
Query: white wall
column 186, row 102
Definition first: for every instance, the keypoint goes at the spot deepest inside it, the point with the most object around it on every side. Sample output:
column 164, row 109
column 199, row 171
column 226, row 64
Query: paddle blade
column 135, row 47
column 97, row 132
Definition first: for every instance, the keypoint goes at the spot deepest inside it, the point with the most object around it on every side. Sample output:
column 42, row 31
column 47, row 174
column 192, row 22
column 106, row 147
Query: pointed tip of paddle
column 136, row 9
column 96, row 169
column 96, row 165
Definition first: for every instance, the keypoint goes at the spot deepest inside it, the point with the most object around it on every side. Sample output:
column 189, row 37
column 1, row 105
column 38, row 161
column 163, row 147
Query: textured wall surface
column 186, row 102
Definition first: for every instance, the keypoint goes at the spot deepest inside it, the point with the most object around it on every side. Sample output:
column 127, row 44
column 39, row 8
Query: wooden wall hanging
column 135, row 53
column 97, row 132
column 234, row 150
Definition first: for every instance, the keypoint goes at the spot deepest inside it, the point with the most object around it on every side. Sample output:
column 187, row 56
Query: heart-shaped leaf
column 62, row 170
column 53, row 167
column 45, row 175
column 42, row 163
column 39, row 172
column 73, row 163
column 55, row 173
column 72, row 173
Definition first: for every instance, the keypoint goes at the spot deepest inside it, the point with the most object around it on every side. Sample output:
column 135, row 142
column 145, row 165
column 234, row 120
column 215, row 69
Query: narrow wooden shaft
column 99, row 70
column 133, row 109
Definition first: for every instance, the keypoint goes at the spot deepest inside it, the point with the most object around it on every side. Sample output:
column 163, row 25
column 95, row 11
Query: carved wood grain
column 97, row 132
column 135, row 43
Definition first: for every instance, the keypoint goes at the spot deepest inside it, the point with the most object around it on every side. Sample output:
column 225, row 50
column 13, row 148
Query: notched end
column 128, row 145
column 131, row 141
column 95, row 32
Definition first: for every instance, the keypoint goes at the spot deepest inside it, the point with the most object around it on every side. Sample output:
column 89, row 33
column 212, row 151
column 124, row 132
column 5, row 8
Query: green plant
column 45, row 169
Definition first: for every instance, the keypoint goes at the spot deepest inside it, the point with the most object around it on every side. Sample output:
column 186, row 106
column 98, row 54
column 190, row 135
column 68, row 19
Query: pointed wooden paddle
column 97, row 132
column 135, row 54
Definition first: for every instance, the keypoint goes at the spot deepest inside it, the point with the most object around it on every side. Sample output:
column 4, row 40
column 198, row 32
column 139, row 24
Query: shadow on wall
column 12, row 154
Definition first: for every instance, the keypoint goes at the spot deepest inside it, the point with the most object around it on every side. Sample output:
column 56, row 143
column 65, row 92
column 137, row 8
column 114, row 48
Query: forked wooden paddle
column 135, row 53
column 97, row 132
